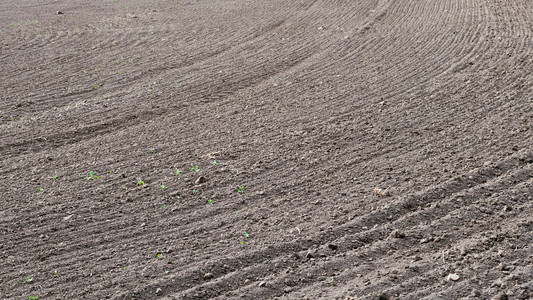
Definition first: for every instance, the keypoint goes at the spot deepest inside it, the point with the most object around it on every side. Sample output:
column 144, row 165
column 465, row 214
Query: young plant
column 29, row 279
column 140, row 182
column 153, row 151
column 160, row 255
column 214, row 163
column 211, row 201
column 163, row 187
column 194, row 192
column 92, row 176
column 177, row 172
column 194, row 168
column 246, row 234
column 240, row 189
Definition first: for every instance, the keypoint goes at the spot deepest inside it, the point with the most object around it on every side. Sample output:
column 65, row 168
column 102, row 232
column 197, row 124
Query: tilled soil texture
column 251, row 149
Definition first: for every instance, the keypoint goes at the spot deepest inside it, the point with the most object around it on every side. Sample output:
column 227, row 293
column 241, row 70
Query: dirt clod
column 200, row 180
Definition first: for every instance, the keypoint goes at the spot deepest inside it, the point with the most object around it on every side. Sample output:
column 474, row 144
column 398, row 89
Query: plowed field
column 266, row 149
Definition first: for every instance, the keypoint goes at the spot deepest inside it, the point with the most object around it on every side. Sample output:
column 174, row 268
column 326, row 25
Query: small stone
column 397, row 234
column 262, row 284
column 501, row 296
column 59, row 12
column 296, row 255
column 453, row 277
column 309, row 255
column 200, row 180
column 475, row 293
column 158, row 290
column 287, row 290
column 208, row 276
column 381, row 192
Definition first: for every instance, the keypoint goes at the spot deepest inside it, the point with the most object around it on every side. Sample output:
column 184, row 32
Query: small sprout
column 330, row 281
column 153, row 151
column 29, row 279
column 34, row 297
column 246, row 234
column 211, row 201
column 178, row 197
column 140, row 182
column 167, row 271
column 194, row 168
column 214, row 163
column 41, row 190
column 55, row 272
column 92, row 176
column 177, row 172
column 163, row 206
column 240, row 189
column 241, row 242
column 163, row 187
column 160, row 255
column 125, row 268
column 194, row 192
column 95, row 69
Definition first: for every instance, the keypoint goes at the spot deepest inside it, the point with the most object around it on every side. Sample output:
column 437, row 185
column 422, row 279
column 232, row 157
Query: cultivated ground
column 383, row 149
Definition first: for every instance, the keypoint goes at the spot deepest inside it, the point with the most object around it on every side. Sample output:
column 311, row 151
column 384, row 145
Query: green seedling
column 240, row 189
column 167, row 271
column 95, row 69
column 246, row 234
column 177, row 172
column 211, row 201
column 125, row 268
column 55, row 272
column 92, row 176
column 330, row 281
column 41, row 190
column 34, row 297
column 163, row 206
column 194, row 192
column 194, row 168
column 160, row 255
column 163, row 187
column 140, row 182
column 29, row 279
column 153, row 151
column 214, row 163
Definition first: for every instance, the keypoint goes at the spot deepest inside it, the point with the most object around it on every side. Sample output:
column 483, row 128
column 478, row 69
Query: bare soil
column 384, row 149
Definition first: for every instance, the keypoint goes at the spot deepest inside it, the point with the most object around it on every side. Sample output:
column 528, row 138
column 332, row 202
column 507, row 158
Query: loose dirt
column 325, row 149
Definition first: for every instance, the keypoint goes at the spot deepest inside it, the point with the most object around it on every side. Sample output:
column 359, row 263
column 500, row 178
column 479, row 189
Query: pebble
column 262, row 284
column 200, row 180
column 397, row 234
column 158, row 290
column 208, row 276
column 59, row 12
column 453, row 277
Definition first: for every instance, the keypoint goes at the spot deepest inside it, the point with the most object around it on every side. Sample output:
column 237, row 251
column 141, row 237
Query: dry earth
column 385, row 149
